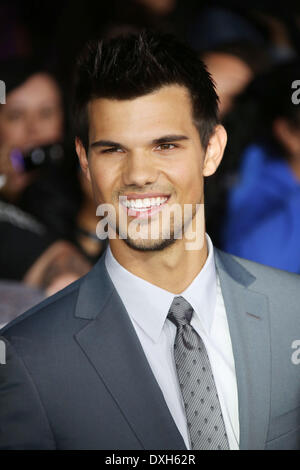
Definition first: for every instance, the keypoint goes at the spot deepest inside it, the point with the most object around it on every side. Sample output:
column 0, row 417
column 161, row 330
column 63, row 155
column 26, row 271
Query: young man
column 167, row 343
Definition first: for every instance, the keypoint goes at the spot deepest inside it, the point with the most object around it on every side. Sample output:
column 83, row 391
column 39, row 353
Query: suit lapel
column 112, row 346
column 248, row 319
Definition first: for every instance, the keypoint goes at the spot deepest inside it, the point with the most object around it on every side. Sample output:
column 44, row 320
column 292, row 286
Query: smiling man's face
column 147, row 149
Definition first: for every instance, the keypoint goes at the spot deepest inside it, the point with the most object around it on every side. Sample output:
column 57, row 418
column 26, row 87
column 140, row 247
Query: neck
column 172, row 268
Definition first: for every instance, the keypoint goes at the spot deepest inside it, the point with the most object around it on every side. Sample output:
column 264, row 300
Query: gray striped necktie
column 202, row 407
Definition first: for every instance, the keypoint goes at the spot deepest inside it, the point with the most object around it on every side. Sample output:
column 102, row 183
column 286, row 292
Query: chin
column 149, row 245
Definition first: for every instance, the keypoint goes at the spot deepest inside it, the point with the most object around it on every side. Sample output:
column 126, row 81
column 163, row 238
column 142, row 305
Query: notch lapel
column 248, row 320
column 112, row 346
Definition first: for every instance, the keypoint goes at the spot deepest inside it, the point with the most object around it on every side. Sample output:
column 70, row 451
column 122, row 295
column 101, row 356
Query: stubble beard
column 148, row 245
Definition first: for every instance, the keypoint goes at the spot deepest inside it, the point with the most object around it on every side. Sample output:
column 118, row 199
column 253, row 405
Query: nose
column 34, row 129
column 139, row 169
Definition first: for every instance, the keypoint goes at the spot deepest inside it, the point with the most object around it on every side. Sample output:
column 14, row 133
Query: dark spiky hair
column 127, row 67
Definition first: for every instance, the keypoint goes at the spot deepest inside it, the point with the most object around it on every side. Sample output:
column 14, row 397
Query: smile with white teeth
column 144, row 204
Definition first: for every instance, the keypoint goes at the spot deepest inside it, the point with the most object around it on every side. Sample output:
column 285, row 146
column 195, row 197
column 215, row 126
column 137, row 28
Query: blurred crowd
column 47, row 213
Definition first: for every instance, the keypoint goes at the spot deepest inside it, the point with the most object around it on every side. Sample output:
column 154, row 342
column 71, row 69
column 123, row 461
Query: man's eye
column 112, row 150
column 166, row 146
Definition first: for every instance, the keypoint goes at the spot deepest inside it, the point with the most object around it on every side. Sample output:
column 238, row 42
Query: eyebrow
column 169, row 138
column 161, row 140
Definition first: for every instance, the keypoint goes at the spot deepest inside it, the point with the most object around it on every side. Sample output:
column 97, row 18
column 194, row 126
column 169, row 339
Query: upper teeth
column 144, row 203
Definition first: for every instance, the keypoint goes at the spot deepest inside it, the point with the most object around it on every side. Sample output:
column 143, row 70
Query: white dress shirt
column 148, row 305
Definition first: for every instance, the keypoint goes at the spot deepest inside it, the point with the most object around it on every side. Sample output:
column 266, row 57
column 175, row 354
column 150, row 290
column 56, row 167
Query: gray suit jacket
column 76, row 376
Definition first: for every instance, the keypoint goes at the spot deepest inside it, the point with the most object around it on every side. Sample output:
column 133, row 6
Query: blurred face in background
column 230, row 74
column 32, row 116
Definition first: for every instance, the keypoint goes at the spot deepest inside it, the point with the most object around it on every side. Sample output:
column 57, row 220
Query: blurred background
column 47, row 214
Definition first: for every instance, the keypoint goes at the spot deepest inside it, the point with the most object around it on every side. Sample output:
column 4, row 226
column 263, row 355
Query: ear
column 215, row 150
column 83, row 160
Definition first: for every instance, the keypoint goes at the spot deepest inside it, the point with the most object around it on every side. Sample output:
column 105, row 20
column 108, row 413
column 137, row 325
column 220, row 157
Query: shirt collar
column 148, row 305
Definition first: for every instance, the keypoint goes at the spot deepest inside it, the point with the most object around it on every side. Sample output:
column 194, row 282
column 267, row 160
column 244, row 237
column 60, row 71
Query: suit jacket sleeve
column 23, row 421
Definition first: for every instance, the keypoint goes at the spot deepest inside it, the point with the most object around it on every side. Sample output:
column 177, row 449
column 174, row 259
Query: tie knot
column 180, row 312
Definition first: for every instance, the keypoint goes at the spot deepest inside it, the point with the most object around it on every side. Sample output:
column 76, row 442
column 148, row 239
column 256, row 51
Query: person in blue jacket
column 262, row 220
